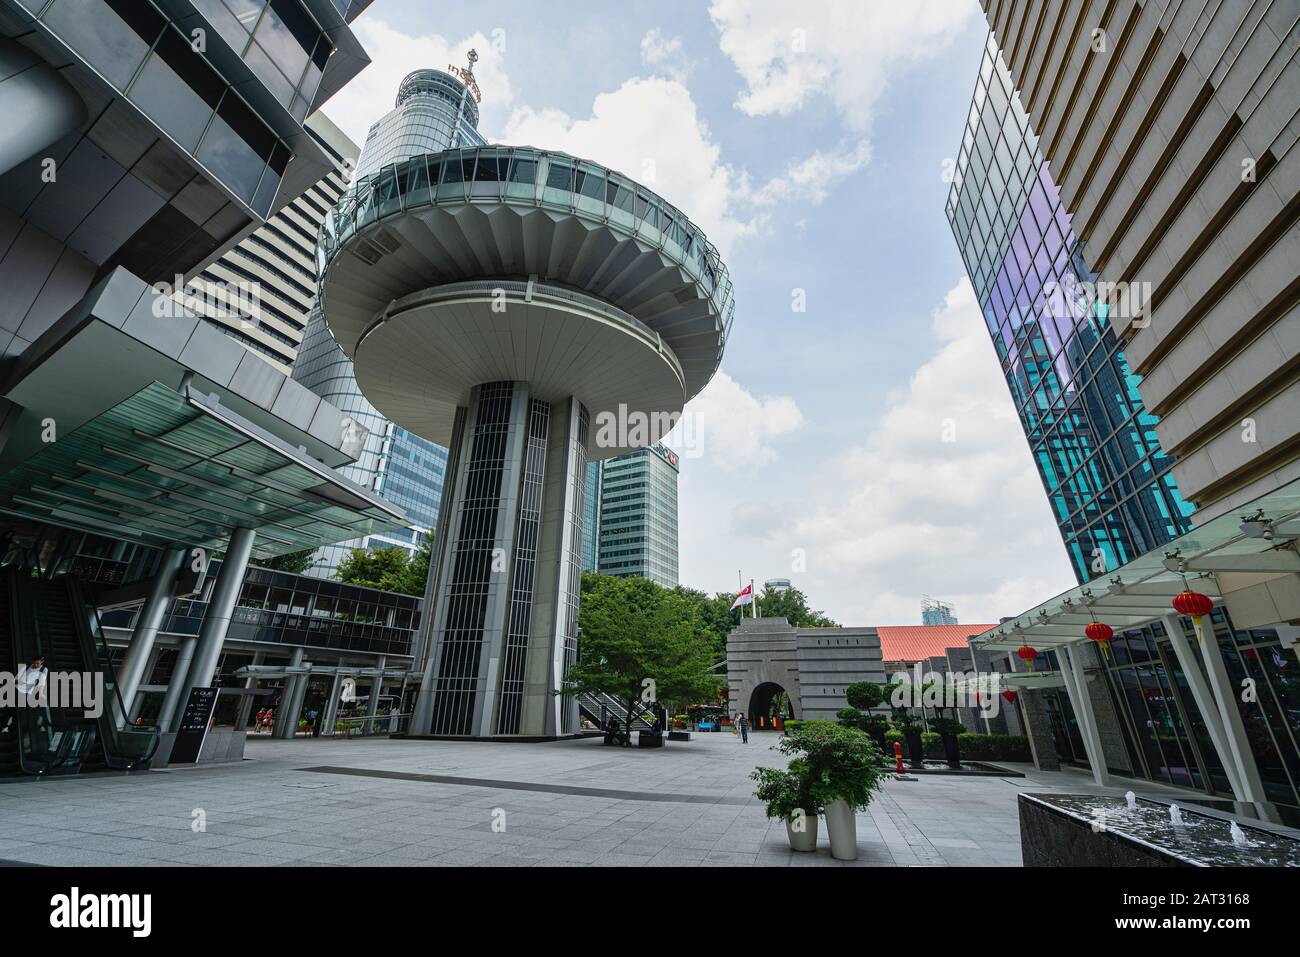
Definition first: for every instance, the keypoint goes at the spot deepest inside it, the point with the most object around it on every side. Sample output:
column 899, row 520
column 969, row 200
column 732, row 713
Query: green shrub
column 994, row 747
column 839, row 763
column 863, row 695
column 785, row 792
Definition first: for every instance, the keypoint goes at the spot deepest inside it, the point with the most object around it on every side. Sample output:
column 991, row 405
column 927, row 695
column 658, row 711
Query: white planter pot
column 842, row 828
column 805, row 839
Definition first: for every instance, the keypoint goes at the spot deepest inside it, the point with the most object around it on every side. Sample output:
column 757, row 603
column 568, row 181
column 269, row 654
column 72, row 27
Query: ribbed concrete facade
column 277, row 263
column 1170, row 129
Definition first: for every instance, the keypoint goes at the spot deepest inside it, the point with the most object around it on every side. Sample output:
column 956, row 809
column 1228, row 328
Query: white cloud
column 663, row 53
column 812, row 179
column 788, row 52
column 393, row 54
column 732, row 427
column 904, row 513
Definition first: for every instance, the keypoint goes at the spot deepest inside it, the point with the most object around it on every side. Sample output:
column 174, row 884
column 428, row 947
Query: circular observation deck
column 440, row 84
column 590, row 238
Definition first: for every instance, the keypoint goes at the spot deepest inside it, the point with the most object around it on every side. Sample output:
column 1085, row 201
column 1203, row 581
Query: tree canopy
column 293, row 562
column 634, row 631
column 389, row 568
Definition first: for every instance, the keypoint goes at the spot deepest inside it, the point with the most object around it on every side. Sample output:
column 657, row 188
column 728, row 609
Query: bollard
column 898, row 757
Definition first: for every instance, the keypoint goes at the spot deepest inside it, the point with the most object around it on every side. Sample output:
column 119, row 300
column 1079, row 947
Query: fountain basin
column 1085, row 830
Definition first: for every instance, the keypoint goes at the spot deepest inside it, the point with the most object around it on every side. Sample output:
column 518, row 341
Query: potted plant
column 842, row 766
column 787, row 796
column 948, row 729
column 911, row 731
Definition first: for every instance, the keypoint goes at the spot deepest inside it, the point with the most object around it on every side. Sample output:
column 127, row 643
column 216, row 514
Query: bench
column 679, row 736
column 648, row 739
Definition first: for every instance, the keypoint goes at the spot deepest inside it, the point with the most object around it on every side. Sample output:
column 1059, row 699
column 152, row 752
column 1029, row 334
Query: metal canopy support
column 1077, row 685
column 1205, row 703
column 1235, row 728
column 140, row 651
column 286, row 717
column 212, row 634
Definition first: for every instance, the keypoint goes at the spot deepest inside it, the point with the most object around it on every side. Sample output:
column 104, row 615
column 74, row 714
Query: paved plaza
column 327, row 802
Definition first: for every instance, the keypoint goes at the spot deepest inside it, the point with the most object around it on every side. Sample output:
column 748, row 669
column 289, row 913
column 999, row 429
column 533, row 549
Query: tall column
column 332, row 705
column 246, row 702
column 133, row 707
column 177, row 685
column 1252, row 785
column 376, row 688
column 38, row 105
column 1077, row 684
column 139, row 652
column 212, row 634
column 1205, row 702
column 286, row 719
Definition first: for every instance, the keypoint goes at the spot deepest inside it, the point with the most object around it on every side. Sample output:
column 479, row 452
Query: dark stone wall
column 1052, row 838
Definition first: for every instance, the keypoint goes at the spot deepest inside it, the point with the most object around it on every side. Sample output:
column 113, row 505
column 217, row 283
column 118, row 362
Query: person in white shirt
column 32, row 679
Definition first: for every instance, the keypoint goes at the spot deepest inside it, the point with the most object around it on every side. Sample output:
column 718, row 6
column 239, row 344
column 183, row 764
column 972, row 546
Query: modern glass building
column 638, row 516
column 434, row 111
column 1110, row 483
column 1093, row 441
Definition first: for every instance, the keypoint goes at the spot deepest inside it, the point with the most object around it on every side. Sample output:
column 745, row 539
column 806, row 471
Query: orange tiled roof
column 918, row 642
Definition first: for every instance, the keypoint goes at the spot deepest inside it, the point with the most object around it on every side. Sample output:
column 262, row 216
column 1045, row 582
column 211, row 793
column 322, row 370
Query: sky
column 859, row 438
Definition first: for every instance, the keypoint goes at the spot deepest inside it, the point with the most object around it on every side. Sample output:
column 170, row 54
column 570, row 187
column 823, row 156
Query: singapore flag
column 744, row 598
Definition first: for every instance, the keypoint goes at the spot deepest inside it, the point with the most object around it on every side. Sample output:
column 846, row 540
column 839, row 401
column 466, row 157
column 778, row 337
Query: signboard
column 467, row 78
column 193, row 729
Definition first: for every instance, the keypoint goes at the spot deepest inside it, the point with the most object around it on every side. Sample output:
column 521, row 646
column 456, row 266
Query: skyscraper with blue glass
column 434, row 111
column 1094, row 443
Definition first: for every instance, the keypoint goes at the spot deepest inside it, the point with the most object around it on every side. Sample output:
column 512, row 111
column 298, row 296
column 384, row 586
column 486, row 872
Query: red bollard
column 898, row 757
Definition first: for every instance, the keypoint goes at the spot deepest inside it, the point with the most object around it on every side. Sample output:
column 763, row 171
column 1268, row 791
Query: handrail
column 125, row 748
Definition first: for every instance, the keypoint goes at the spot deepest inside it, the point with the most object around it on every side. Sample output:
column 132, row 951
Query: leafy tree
column 294, row 562
column 416, row 575
column 633, row 630
column 374, row 567
column 792, row 605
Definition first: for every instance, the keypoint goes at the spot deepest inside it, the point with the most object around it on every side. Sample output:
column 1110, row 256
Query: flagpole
column 753, row 597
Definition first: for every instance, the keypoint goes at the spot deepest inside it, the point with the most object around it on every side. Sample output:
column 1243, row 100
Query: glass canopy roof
column 1258, row 536
column 163, row 468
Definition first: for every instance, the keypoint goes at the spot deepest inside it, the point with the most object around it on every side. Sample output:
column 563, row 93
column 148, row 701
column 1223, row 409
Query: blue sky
column 865, row 447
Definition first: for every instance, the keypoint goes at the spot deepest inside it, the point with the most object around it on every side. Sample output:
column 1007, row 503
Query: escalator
column 10, row 749
column 50, row 620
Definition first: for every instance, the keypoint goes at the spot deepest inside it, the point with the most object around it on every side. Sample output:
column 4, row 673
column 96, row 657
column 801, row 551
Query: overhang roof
column 165, row 468
column 1141, row 591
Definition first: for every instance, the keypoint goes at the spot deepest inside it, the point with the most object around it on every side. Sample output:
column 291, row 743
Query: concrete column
column 212, row 634
column 137, row 700
column 177, row 686
column 1077, row 685
column 139, row 652
column 246, row 703
column 1205, row 702
column 332, row 705
column 1235, row 729
column 1038, row 729
column 38, row 105
column 376, row 687
column 284, row 724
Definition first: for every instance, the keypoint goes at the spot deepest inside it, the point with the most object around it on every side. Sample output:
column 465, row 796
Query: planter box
column 679, row 736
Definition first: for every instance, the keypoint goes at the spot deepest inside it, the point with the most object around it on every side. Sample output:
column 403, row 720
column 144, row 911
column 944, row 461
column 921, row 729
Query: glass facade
column 638, row 516
column 434, row 112
column 1094, row 444
column 1093, row 441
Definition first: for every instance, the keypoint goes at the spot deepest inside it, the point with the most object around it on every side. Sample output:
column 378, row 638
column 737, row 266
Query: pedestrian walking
column 744, row 729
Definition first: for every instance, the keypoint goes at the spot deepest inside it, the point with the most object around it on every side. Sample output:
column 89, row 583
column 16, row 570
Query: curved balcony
column 519, row 212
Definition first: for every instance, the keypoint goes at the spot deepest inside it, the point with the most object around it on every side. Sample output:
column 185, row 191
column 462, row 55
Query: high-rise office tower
column 1092, row 439
column 935, row 612
column 435, row 111
column 1162, row 213
column 638, row 516
column 260, row 292
column 125, row 146
column 529, row 311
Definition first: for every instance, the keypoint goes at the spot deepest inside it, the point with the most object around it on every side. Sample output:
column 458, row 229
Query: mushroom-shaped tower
column 530, row 311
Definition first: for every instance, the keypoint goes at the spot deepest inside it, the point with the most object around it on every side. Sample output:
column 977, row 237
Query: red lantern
column 1101, row 633
column 1188, row 602
column 1010, row 696
column 1027, row 655
column 1193, row 604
